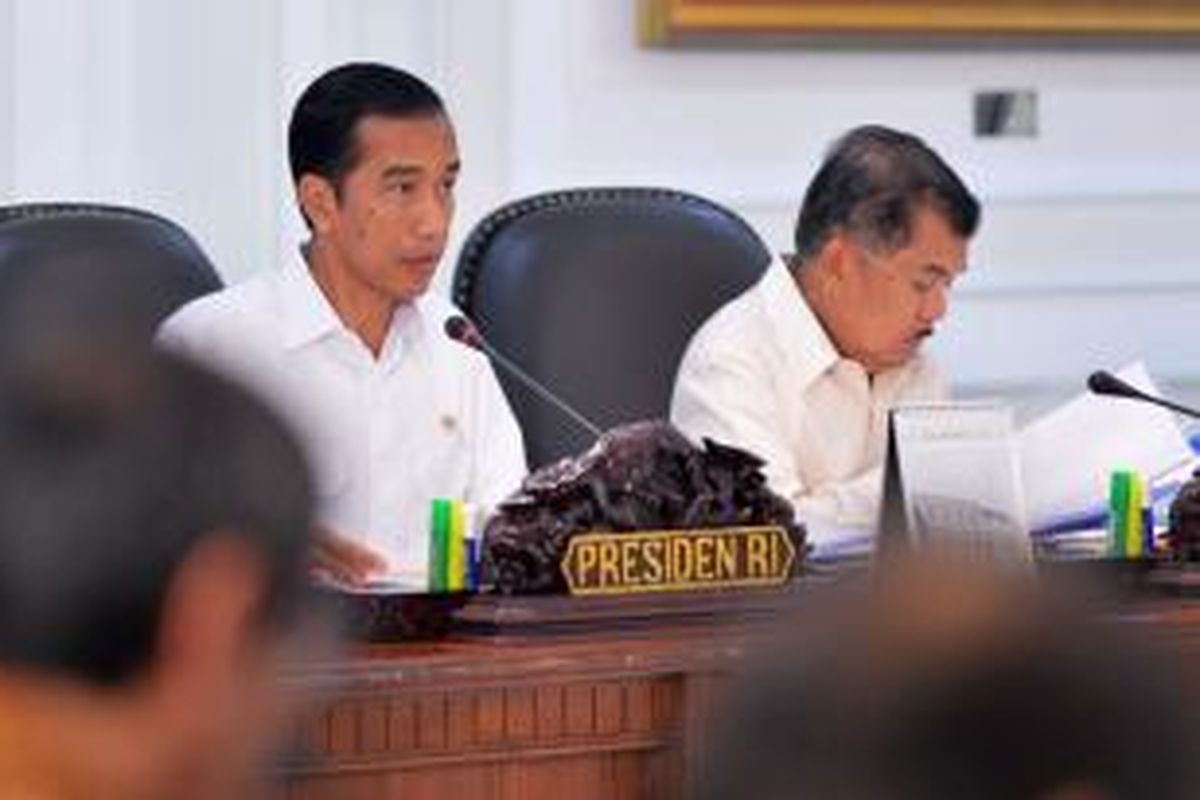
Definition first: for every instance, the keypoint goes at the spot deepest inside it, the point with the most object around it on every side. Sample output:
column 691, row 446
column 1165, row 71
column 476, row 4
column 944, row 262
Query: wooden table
column 618, row 711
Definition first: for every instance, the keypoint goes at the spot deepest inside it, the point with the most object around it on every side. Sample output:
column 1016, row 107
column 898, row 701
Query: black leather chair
column 93, row 271
column 596, row 292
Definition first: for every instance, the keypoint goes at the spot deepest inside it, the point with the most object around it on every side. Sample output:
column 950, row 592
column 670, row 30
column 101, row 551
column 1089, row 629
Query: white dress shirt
column 763, row 375
column 426, row 419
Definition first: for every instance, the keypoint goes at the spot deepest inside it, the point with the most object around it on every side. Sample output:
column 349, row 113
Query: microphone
column 463, row 331
column 1105, row 383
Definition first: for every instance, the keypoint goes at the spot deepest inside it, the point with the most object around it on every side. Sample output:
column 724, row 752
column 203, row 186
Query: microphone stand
column 463, row 331
column 1105, row 383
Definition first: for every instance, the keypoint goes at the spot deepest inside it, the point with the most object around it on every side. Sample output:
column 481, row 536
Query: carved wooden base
column 600, row 718
column 594, row 711
column 610, row 738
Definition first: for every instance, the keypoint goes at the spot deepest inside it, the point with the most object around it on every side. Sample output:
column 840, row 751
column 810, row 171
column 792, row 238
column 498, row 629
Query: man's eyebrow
column 401, row 171
column 942, row 270
column 412, row 170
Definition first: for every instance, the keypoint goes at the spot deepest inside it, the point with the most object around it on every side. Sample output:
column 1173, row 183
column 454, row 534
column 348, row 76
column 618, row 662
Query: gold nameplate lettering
column 678, row 561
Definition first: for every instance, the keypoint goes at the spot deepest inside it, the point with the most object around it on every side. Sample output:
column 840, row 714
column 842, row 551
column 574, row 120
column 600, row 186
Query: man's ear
column 836, row 258
column 209, row 617
column 318, row 201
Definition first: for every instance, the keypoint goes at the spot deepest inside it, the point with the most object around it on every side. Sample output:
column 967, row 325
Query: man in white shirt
column 345, row 338
column 802, row 368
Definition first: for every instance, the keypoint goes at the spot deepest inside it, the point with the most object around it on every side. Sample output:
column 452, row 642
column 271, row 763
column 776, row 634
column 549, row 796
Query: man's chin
column 411, row 291
column 894, row 360
column 913, row 347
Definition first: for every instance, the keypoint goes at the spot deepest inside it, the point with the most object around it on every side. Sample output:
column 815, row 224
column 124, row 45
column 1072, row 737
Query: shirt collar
column 807, row 349
column 306, row 313
column 407, row 327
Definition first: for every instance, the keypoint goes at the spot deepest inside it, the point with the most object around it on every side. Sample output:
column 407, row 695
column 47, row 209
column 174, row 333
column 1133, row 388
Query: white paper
column 1068, row 454
column 960, row 476
column 380, row 585
column 830, row 541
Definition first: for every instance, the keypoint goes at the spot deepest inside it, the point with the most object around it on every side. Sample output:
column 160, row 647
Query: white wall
column 181, row 106
column 1086, row 256
column 134, row 101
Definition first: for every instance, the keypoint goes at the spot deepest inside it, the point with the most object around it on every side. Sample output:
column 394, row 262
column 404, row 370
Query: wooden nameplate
column 657, row 562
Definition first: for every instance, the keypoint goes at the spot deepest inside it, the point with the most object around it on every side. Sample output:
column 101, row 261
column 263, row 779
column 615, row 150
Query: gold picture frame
column 676, row 22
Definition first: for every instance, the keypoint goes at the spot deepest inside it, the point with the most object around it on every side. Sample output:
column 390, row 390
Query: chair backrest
column 97, row 269
column 595, row 293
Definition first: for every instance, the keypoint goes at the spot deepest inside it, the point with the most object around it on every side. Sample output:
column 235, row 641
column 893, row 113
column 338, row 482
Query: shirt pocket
column 331, row 469
column 446, row 464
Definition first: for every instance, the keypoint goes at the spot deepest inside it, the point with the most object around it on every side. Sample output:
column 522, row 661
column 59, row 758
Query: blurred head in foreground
column 153, row 521
column 952, row 682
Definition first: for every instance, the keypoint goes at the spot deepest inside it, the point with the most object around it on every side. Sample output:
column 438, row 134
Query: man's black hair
column 871, row 184
column 322, row 133
column 115, row 465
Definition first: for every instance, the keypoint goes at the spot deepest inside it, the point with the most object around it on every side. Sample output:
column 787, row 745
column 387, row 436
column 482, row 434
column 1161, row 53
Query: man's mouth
column 915, row 341
column 424, row 263
column 420, row 258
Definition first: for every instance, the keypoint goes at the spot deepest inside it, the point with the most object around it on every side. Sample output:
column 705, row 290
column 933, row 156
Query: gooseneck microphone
column 463, row 331
column 1106, row 383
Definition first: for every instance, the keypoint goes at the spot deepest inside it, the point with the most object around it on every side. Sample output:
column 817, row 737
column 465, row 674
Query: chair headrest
column 596, row 293
column 93, row 270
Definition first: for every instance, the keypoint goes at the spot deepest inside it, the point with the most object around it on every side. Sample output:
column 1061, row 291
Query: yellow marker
column 1133, row 516
column 455, row 547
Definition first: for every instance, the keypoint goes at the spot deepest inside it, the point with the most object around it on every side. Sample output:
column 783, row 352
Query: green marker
column 1118, row 512
column 439, row 545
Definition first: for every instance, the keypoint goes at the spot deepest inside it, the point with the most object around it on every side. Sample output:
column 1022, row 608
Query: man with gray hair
column 802, row 368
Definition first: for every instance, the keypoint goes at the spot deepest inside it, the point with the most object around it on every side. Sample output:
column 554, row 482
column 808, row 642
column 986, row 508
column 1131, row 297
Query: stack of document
column 1068, row 454
column 1065, row 459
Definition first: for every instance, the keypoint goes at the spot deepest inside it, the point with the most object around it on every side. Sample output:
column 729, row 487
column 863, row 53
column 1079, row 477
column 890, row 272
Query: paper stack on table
column 1068, row 454
column 1065, row 459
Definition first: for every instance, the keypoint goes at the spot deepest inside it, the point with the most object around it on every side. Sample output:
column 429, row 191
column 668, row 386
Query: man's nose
column 432, row 216
column 935, row 305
